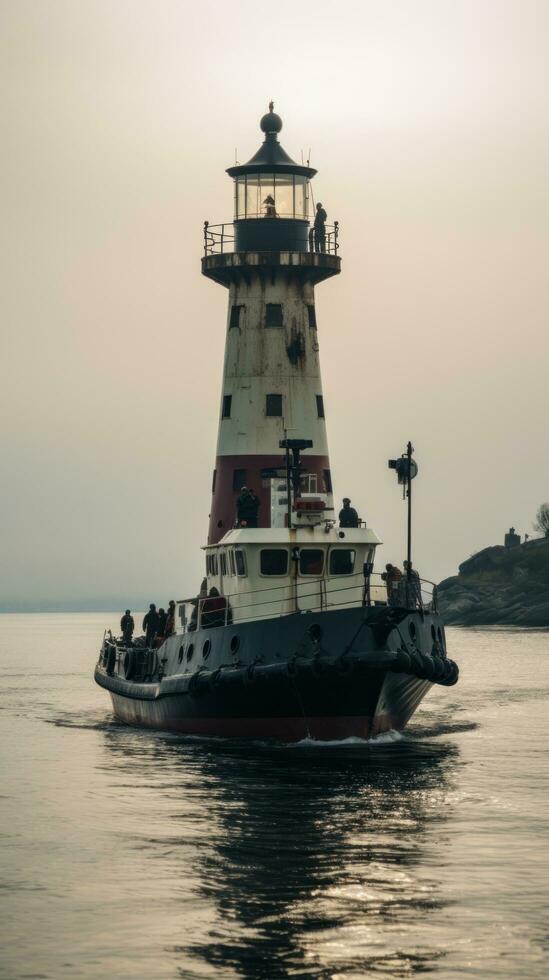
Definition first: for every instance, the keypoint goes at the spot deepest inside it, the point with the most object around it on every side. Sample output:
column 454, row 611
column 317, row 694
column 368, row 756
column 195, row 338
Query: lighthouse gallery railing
column 219, row 239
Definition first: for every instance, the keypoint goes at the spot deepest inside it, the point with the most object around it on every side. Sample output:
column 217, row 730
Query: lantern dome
column 270, row 122
column 271, row 196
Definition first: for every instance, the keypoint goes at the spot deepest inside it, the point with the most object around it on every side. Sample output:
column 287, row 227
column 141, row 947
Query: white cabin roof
column 280, row 536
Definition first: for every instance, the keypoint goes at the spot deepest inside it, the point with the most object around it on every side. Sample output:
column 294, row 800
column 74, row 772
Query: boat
column 293, row 634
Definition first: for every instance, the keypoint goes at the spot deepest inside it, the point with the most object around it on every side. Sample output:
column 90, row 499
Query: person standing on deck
column 348, row 516
column 150, row 625
column 392, row 576
column 413, row 585
column 247, row 507
column 162, row 619
column 127, row 626
column 170, row 621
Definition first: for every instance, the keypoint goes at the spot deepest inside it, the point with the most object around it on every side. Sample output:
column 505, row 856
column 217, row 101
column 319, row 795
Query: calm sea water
column 135, row 854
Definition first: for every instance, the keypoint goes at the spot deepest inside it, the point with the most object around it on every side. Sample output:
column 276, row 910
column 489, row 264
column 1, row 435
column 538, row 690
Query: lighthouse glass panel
column 240, row 197
column 267, row 202
column 271, row 196
column 301, row 197
column 284, row 195
column 252, row 197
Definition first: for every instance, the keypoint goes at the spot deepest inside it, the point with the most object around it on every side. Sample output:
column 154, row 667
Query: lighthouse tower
column 269, row 261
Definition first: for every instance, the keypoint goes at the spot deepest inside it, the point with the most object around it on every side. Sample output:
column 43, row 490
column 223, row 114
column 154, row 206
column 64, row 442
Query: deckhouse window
column 312, row 316
column 273, row 315
column 240, row 562
column 320, row 406
column 342, row 561
column 274, row 561
column 226, row 410
column 311, row 561
column 231, row 563
column 273, row 406
column 211, row 564
column 328, row 481
column 223, row 562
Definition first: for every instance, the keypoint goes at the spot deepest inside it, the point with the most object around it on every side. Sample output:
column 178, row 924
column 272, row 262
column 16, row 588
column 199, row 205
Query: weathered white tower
column 269, row 260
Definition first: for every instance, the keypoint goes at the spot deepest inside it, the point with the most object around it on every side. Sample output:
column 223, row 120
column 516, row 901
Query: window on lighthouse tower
column 273, row 315
column 273, row 406
column 234, row 321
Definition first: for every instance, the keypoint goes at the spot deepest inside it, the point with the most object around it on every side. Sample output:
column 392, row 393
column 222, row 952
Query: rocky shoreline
column 499, row 586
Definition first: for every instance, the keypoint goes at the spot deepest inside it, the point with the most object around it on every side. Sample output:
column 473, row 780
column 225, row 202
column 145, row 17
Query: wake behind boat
column 294, row 635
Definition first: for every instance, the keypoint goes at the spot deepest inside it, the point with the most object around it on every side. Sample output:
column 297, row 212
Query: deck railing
column 219, row 239
column 316, row 595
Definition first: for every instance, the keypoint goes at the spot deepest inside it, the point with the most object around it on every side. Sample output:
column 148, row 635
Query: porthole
column 190, row 651
column 315, row 632
column 180, row 654
column 412, row 628
column 235, row 643
column 206, row 649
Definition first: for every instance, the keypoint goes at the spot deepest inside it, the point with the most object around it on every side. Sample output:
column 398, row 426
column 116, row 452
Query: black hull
column 350, row 673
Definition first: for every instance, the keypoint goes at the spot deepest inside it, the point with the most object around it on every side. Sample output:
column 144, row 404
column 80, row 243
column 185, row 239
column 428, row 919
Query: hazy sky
column 428, row 123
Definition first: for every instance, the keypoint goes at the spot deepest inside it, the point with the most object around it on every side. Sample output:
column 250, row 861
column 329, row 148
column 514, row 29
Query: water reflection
column 298, row 861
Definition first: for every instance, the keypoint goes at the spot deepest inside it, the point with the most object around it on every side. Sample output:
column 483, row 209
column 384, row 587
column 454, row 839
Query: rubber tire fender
column 417, row 667
column 110, row 660
column 428, row 665
column 403, row 662
column 438, row 668
column 129, row 664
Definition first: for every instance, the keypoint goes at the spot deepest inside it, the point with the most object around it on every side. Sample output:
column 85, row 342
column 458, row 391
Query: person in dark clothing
column 413, row 585
column 392, row 576
column 162, row 618
column 348, row 516
column 270, row 207
column 193, row 622
column 170, row 621
column 213, row 609
column 127, row 626
column 253, row 508
column 320, row 228
column 242, row 505
column 247, row 507
column 150, row 625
